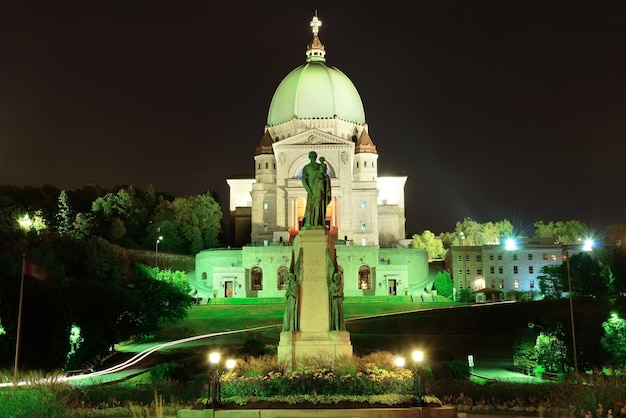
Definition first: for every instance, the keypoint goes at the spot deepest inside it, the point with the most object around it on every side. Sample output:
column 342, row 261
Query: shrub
column 450, row 370
column 170, row 371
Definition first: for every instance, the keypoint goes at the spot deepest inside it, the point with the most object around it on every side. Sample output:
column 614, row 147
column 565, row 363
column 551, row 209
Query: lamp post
column 587, row 246
column 214, row 377
column 156, row 250
column 571, row 313
column 418, row 383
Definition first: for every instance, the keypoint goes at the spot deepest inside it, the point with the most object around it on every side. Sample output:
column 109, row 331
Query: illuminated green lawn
column 206, row 319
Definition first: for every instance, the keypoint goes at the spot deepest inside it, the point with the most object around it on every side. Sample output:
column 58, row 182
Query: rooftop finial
column 315, row 24
column 315, row 51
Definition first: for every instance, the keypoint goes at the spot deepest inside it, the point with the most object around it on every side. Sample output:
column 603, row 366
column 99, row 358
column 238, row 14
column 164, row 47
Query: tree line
column 124, row 215
column 95, row 293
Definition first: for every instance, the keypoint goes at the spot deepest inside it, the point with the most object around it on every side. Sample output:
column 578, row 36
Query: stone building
column 316, row 107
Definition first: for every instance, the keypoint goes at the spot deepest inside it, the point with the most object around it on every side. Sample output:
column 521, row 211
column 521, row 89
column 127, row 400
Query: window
column 362, row 203
column 491, row 257
column 357, row 164
column 532, row 283
column 515, row 270
column 364, row 164
column 460, row 272
column 256, row 278
column 545, row 256
column 364, row 278
column 267, row 166
column 479, row 257
column 553, row 257
column 363, row 226
column 501, row 284
column 493, row 284
column 204, row 275
column 458, row 258
column 467, row 272
column 479, row 271
column 531, row 270
column 515, row 257
column 265, row 228
column 259, row 166
column 283, row 276
column 516, row 284
column 466, row 257
column 500, row 257
column 530, row 257
column 492, row 269
column 266, row 205
column 500, row 269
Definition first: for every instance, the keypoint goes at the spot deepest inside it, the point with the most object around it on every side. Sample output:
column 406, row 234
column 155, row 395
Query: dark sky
column 494, row 110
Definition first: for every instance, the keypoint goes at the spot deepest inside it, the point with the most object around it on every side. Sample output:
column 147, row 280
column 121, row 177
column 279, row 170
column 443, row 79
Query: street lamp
column 418, row 381
column 587, row 246
column 571, row 314
column 156, row 250
column 214, row 377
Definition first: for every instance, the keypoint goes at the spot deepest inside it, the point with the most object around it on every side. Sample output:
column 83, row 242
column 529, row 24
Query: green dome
column 316, row 91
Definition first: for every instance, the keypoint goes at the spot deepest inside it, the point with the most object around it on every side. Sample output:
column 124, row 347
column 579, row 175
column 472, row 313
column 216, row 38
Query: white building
column 315, row 108
column 508, row 272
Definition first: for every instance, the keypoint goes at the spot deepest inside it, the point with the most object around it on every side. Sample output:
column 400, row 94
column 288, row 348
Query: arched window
column 283, row 276
column 204, row 275
column 257, row 278
column 365, row 281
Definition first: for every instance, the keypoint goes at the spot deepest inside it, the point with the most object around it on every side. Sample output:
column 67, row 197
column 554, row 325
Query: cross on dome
column 315, row 24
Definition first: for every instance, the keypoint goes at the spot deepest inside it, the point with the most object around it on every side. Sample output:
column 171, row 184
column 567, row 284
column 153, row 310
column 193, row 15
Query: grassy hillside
column 206, row 319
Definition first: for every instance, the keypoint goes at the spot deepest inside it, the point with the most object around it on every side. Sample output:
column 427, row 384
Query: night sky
column 494, row 110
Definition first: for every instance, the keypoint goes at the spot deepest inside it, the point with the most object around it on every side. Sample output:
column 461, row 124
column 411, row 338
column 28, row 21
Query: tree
column 614, row 339
column 121, row 217
column 553, row 280
column 64, row 215
column 587, row 276
column 617, row 272
column 469, row 232
column 443, row 284
column 569, row 232
column 429, row 242
column 188, row 224
column 551, row 351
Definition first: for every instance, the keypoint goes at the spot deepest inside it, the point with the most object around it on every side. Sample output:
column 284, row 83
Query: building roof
column 316, row 91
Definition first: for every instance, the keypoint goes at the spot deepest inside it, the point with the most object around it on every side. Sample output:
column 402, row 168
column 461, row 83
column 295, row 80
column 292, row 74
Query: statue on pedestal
column 316, row 182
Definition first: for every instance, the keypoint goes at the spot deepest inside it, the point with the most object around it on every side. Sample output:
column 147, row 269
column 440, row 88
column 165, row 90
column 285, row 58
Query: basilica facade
column 316, row 107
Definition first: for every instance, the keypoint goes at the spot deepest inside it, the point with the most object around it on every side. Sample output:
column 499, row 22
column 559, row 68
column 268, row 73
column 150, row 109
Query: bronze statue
column 336, row 302
column 292, row 295
column 290, row 317
column 316, row 182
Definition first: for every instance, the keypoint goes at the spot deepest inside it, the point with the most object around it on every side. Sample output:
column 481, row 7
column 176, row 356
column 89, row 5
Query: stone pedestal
column 313, row 339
